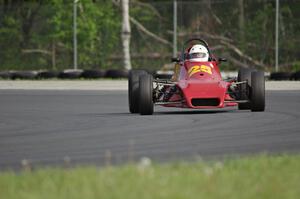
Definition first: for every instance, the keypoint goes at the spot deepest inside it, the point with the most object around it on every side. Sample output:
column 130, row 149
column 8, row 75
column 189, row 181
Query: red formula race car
column 196, row 84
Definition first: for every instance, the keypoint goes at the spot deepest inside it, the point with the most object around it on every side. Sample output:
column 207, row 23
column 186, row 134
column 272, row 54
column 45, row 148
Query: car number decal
column 196, row 69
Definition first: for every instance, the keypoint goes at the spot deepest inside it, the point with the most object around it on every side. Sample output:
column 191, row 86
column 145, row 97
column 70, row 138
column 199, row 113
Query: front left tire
column 133, row 90
column 146, row 94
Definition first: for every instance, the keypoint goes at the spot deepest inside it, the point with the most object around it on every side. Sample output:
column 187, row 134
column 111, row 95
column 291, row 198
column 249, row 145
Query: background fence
column 37, row 35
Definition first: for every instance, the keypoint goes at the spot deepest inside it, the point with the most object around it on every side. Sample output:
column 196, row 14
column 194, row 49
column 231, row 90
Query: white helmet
column 198, row 53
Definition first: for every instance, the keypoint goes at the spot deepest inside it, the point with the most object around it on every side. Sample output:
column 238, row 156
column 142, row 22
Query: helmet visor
column 197, row 55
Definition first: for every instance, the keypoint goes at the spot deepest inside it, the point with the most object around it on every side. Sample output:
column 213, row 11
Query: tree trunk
column 208, row 26
column 53, row 56
column 28, row 19
column 241, row 20
column 126, row 34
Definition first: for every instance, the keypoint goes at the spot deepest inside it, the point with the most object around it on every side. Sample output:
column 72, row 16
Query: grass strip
column 260, row 176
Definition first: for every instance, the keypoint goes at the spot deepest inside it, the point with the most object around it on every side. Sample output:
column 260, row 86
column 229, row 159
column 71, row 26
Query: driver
column 198, row 53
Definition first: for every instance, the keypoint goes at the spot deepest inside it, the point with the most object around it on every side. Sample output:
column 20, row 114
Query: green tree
column 35, row 34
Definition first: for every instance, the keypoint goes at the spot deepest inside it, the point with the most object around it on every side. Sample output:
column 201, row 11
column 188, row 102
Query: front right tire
column 244, row 74
column 257, row 91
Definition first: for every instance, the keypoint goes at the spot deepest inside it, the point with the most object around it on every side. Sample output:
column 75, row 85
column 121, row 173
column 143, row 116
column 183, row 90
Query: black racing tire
column 93, row 74
column 115, row 73
column 48, row 74
column 279, row 76
column 5, row 75
column 244, row 74
column 146, row 94
column 70, row 74
column 296, row 76
column 150, row 71
column 257, row 93
column 23, row 75
column 133, row 90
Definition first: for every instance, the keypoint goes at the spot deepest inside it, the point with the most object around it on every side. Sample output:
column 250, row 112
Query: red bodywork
column 200, row 86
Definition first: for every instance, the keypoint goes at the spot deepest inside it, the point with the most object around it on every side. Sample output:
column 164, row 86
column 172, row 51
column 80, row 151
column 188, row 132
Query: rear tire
column 133, row 90
column 257, row 91
column 146, row 94
column 244, row 74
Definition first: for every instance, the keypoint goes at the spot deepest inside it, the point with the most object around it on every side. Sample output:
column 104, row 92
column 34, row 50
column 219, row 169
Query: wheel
column 24, row 75
column 5, row 75
column 244, row 74
column 146, row 94
column 296, row 75
column 48, row 74
column 114, row 73
column 257, row 94
column 70, row 74
column 280, row 76
column 133, row 90
column 93, row 74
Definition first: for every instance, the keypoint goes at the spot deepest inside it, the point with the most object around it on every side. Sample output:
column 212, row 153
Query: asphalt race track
column 82, row 127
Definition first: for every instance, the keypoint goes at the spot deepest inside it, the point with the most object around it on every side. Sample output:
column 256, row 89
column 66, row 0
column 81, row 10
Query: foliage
column 295, row 66
column 45, row 29
column 49, row 26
